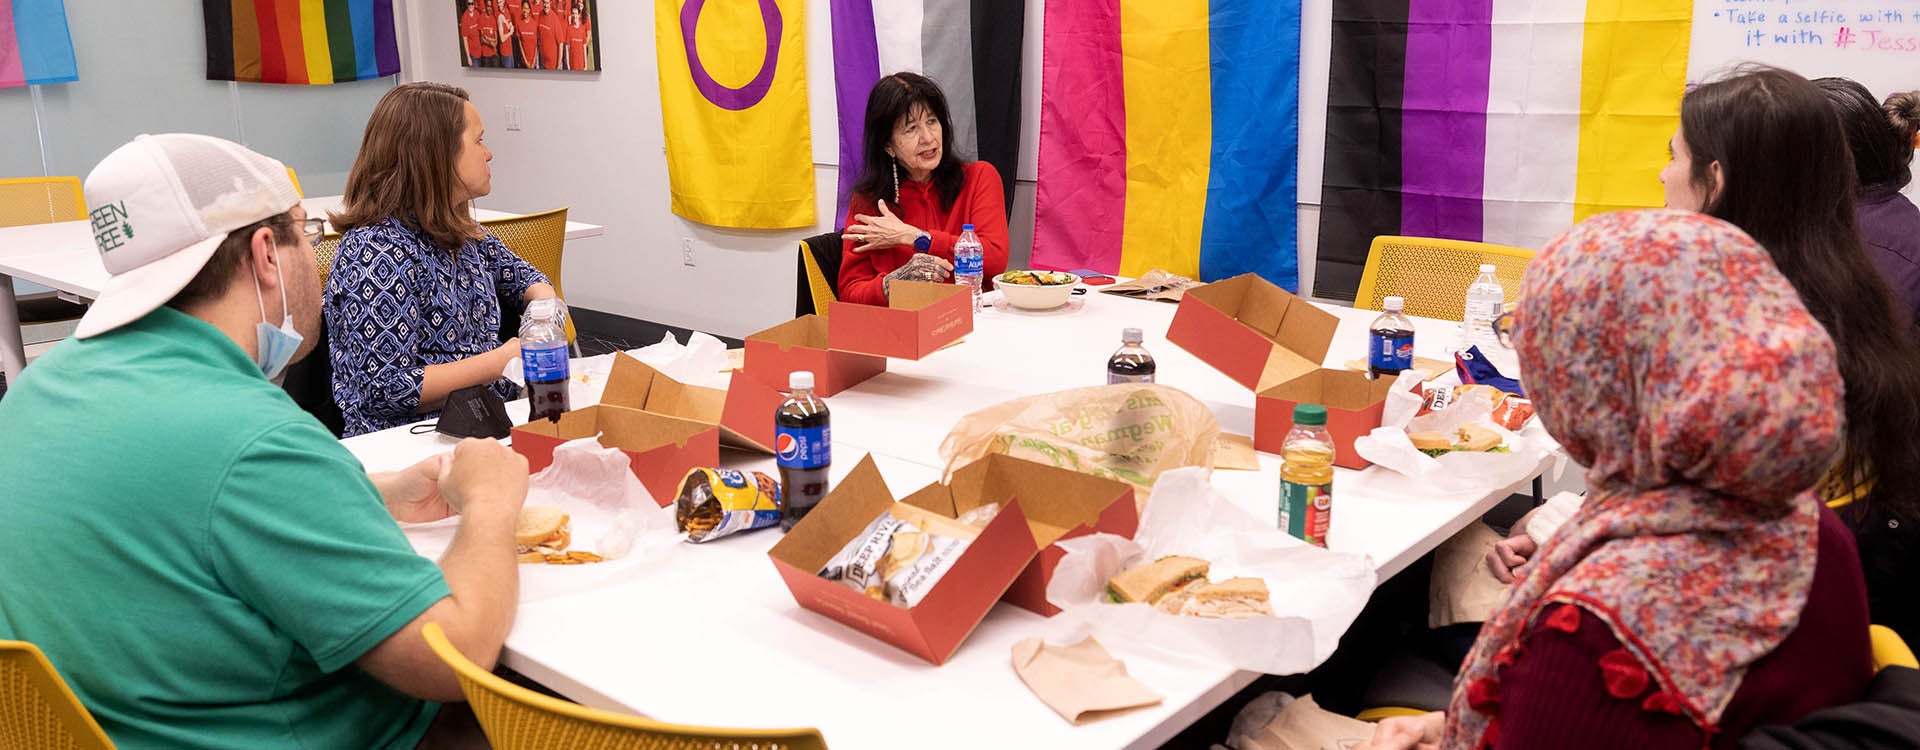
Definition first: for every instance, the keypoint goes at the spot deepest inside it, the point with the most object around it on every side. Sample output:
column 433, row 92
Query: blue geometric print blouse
column 395, row 303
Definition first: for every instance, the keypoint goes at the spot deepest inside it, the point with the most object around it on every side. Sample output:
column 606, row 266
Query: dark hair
column 1788, row 182
column 405, row 168
column 1880, row 155
column 891, row 99
column 226, row 261
column 1903, row 112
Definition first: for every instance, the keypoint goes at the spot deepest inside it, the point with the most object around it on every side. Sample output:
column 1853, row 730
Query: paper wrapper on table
column 612, row 515
column 1316, row 593
column 1156, row 284
column 1081, row 682
column 1131, row 432
column 1459, row 471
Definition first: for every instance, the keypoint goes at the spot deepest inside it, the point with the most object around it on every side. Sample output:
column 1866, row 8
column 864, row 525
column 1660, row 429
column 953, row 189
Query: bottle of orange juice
column 1306, row 476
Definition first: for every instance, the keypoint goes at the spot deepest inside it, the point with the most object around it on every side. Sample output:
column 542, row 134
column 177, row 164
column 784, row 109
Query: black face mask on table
column 473, row 411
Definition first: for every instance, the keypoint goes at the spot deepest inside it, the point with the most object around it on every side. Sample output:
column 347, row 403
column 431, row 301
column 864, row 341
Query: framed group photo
column 529, row 34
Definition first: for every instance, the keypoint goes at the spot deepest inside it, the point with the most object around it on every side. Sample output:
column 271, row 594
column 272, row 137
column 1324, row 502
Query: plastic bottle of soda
column 1390, row 340
column 1485, row 298
column 543, row 358
column 1132, row 363
column 1306, row 476
column 968, row 262
column 803, row 447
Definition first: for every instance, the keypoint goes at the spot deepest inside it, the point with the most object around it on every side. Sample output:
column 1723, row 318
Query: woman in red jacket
column 914, row 194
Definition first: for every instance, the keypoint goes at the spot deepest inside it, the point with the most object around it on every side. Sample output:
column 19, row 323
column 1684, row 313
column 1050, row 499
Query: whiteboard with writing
column 1875, row 42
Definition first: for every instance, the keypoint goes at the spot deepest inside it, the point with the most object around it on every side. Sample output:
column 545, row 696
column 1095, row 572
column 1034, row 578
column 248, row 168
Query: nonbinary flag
column 1500, row 121
column 733, row 98
column 971, row 48
column 300, row 41
column 34, row 45
column 1169, row 138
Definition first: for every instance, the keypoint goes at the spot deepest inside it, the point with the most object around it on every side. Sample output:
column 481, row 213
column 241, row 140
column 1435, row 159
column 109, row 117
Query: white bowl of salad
column 1036, row 290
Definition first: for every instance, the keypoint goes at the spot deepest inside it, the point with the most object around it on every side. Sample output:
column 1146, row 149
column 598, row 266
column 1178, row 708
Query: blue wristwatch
column 923, row 243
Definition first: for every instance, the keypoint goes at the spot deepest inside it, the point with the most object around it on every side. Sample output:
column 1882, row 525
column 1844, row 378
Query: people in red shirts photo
column 489, row 47
column 553, row 35
column 579, row 33
column 470, row 34
column 528, row 29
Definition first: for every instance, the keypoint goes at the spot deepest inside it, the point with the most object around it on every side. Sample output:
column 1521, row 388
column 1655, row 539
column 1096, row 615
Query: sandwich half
column 1147, row 583
column 1235, row 598
column 541, row 531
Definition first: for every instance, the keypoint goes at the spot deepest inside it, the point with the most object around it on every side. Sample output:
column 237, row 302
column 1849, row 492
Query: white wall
column 595, row 142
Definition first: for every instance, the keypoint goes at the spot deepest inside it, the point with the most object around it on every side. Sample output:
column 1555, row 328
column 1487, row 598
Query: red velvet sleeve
column 860, row 281
column 1555, row 694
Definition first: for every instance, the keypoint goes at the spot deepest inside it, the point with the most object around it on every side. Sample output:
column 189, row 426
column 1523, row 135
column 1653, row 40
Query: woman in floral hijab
column 1702, row 589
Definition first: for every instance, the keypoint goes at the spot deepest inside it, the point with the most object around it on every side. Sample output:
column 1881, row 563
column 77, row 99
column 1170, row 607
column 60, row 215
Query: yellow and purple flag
column 1169, row 138
column 733, row 98
column 1501, row 121
column 34, row 45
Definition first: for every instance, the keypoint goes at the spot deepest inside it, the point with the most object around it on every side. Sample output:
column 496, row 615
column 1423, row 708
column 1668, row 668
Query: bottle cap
column 800, row 380
column 966, row 227
column 1394, row 304
column 1486, row 268
column 1310, row 414
column 1130, row 336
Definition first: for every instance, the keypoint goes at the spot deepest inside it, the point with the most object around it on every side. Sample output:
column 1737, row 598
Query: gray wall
column 143, row 70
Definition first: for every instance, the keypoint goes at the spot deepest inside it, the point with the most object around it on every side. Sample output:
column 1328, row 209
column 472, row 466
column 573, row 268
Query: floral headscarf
column 1664, row 350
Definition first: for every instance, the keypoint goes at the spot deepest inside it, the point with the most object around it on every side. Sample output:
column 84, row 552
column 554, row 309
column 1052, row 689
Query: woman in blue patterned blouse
column 413, row 302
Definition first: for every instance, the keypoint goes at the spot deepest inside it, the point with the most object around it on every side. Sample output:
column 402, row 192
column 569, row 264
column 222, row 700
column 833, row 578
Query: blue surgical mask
column 276, row 345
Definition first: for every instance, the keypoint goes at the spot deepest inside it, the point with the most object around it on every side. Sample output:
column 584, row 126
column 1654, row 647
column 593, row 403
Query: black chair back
column 826, row 250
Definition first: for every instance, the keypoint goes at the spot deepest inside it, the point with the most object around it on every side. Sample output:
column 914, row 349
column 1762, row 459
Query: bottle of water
column 1390, row 340
column 803, row 448
column 1484, row 302
column 1131, row 363
column 543, row 358
column 968, row 262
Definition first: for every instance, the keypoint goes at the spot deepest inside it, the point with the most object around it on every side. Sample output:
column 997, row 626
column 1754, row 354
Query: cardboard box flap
column 845, row 512
column 975, row 574
column 630, row 429
column 809, row 331
column 1295, row 333
column 1073, row 500
column 920, row 295
column 638, row 385
column 1338, row 389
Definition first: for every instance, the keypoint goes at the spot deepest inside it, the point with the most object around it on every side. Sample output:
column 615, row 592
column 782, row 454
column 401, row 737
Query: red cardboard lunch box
column 802, row 344
column 920, row 318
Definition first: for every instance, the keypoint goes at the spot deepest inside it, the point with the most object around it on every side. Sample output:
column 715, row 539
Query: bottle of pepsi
column 1132, row 363
column 803, row 446
column 543, row 358
column 1390, row 340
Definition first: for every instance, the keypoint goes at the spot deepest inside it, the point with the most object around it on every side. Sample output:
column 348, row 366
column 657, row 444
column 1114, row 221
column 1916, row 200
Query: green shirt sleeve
column 300, row 534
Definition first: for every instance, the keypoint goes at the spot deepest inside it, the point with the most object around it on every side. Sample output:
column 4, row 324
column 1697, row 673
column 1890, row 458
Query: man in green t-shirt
column 201, row 560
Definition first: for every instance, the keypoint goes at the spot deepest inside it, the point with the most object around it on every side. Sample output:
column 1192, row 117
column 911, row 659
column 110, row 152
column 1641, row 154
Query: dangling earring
column 896, row 180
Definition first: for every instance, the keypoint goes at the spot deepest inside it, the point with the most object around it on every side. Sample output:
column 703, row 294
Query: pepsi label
column 1391, row 353
column 545, row 362
column 803, row 447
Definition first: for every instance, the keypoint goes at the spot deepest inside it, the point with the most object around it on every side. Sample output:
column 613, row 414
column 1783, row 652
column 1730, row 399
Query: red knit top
column 980, row 204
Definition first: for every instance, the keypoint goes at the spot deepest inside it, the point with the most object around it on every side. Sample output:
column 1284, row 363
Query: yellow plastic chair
column 40, row 200
column 323, row 251
column 1889, row 650
column 1432, row 275
column 291, row 175
column 538, row 239
column 37, row 709
column 817, row 285
column 514, row 717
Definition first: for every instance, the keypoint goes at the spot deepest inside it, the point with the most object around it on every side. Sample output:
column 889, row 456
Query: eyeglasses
column 314, row 229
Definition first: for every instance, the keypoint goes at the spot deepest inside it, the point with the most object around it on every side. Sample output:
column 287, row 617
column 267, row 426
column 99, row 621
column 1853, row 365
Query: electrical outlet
column 686, row 251
column 513, row 117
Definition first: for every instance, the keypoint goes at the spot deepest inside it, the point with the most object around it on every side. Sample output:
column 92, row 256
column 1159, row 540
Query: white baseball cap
column 159, row 207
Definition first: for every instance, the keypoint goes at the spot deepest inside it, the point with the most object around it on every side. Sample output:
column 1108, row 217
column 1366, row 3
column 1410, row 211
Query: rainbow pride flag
column 1169, row 137
column 34, row 45
column 733, row 103
column 300, row 41
column 1501, row 121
